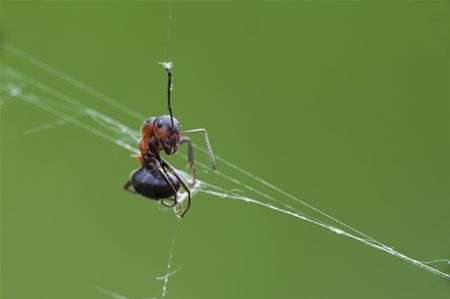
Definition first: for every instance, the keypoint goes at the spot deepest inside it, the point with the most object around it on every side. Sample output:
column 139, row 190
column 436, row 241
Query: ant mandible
column 152, row 179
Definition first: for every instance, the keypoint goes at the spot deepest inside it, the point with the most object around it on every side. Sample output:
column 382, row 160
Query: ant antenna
column 168, row 67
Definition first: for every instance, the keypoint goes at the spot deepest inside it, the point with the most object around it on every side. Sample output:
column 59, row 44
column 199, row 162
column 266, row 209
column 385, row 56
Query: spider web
column 20, row 86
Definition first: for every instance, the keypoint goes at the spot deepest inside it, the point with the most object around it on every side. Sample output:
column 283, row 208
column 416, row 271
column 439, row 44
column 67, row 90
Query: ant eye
column 159, row 123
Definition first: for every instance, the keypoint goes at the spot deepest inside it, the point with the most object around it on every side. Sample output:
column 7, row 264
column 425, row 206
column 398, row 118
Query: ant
column 162, row 133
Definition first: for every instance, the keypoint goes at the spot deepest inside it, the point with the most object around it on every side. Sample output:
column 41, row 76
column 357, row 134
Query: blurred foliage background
column 343, row 103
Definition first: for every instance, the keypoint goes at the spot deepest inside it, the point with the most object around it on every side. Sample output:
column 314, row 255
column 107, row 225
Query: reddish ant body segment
column 153, row 179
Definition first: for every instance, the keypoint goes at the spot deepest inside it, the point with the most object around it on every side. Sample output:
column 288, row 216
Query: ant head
column 168, row 136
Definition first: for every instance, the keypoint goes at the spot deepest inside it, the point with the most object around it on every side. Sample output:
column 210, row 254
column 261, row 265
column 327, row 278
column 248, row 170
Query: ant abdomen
column 150, row 183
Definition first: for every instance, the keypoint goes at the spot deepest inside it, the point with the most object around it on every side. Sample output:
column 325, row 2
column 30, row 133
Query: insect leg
column 127, row 186
column 190, row 163
column 163, row 173
column 207, row 144
column 182, row 182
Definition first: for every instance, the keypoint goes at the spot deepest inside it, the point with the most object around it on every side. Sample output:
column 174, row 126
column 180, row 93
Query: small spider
column 152, row 179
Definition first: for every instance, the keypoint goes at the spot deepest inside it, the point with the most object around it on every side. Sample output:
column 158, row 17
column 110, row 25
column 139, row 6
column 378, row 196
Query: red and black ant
column 152, row 179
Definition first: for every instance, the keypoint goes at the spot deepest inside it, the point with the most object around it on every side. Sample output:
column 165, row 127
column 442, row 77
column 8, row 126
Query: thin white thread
column 111, row 293
column 69, row 79
column 169, row 265
column 168, row 274
column 334, row 229
column 436, row 261
column 50, row 125
column 169, row 31
column 263, row 182
column 116, row 295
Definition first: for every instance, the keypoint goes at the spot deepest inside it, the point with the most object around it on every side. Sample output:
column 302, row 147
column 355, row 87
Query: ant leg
column 207, row 144
column 182, row 182
column 127, row 187
column 163, row 173
column 190, row 163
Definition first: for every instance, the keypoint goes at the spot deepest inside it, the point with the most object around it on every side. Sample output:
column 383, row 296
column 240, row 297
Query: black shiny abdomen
column 150, row 183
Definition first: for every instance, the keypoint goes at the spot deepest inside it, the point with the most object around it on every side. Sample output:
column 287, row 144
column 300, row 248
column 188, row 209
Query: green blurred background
column 343, row 103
